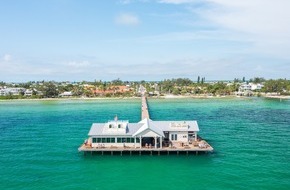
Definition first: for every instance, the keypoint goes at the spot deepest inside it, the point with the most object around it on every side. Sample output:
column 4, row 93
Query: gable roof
column 97, row 129
column 148, row 125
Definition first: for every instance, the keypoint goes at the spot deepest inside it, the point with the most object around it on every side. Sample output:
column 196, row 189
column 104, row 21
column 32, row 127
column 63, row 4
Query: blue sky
column 143, row 39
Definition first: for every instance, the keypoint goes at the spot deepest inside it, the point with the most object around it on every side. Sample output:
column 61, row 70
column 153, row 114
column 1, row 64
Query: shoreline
column 70, row 98
column 277, row 97
column 155, row 97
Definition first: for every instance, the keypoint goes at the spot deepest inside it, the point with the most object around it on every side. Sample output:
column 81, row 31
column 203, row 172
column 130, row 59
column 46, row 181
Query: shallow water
column 251, row 137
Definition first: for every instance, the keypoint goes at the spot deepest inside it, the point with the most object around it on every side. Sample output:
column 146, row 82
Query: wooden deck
column 144, row 108
column 200, row 146
column 143, row 150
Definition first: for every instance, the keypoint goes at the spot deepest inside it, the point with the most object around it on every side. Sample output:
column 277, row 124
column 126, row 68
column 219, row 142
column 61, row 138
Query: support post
column 140, row 142
column 161, row 142
column 155, row 142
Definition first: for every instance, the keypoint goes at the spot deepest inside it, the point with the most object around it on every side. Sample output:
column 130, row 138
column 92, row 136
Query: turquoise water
column 251, row 137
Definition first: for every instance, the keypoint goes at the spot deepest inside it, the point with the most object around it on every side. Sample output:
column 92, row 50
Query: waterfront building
column 11, row 91
column 146, row 133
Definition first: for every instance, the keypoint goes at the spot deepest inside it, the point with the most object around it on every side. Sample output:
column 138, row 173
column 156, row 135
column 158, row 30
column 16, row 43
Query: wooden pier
column 193, row 147
column 144, row 108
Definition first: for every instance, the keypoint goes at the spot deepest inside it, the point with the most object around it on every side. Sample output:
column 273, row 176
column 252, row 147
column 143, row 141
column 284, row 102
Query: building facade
column 146, row 133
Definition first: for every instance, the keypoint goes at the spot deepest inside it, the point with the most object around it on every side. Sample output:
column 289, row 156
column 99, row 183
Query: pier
column 144, row 108
column 148, row 137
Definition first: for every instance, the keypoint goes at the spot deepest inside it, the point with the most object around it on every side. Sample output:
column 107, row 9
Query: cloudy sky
column 143, row 39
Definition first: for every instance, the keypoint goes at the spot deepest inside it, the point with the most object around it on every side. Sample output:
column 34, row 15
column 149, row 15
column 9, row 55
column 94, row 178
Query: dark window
column 99, row 140
column 119, row 140
column 108, row 140
column 123, row 139
column 137, row 140
column 103, row 140
column 110, row 126
column 173, row 137
column 94, row 140
column 112, row 140
column 128, row 140
column 119, row 126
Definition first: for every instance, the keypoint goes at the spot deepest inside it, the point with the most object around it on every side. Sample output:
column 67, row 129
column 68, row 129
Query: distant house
column 11, row 91
column 28, row 92
column 66, row 94
column 245, row 87
column 113, row 89
column 4, row 92
column 256, row 86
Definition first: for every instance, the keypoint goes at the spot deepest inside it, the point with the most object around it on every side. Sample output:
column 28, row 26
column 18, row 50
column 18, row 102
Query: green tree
column 50, row 90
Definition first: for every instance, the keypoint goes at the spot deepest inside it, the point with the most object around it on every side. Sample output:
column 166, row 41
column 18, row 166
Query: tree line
column 178, row 86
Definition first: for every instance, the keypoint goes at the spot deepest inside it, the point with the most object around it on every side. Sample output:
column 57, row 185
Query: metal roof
column 147, row 124
column 98, row 129
column 133, row 129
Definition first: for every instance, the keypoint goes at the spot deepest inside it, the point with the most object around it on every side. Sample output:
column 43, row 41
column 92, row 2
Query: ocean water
column 251, row 138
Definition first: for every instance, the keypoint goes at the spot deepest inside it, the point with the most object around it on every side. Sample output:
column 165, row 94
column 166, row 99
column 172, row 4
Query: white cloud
column 127, row 19
column 263, row 24
column 266, row 23
column 78, row 64
column 7, row 57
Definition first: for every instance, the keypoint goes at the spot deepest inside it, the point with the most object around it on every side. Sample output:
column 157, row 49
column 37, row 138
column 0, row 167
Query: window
column 103, row 140
column 128, row 140
column 108, row 140
column 119, row 126
column 173, row 137
column 119, row 140
column 112, row 140
column 137, row 140
column 123, row 139
column 99, row 140
column 110, row 126
column 94, row 140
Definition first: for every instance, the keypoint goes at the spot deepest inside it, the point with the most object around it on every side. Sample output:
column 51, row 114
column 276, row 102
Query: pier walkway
column 144, row 108
column 192, row 147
